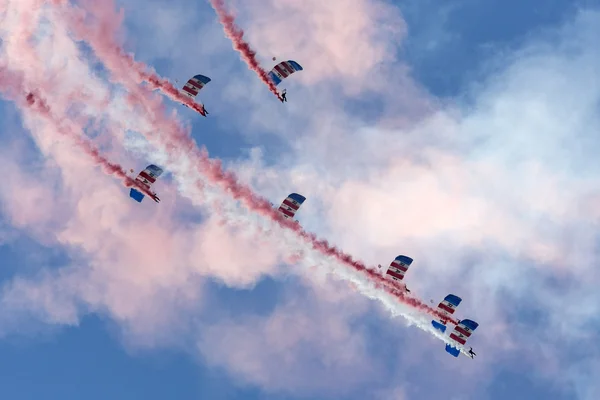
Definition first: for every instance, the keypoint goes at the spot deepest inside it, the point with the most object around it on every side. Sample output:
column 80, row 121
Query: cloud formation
column 494, row 196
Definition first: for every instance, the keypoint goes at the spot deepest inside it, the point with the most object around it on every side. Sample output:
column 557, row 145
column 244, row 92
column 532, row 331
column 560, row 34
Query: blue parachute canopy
column 472, row 325
column 283, row 70
column 438, row 326
column 452, row 350
column 156, row 171
column 202, row 78
column 137, row 196
column 453, row 299
column 404, row 260
column 297, row 197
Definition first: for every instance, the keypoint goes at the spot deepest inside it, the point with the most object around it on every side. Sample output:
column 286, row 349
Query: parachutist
column 192, row 87
column 471, row 352
column 143, row 181
column 280, row 72
column 283, row 94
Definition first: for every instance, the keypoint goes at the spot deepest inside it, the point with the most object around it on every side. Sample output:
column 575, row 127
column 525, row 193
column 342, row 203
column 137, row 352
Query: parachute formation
column 279, row 72
column 397, row 269
column 458, row 337
column 446, row 308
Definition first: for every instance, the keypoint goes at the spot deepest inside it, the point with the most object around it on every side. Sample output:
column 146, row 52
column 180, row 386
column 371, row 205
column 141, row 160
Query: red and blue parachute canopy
column 460, row 334
column 194, row 84
column 283, row 70
column 290, row 206
column 145, row 179
column 447, row 307
column 398, row 268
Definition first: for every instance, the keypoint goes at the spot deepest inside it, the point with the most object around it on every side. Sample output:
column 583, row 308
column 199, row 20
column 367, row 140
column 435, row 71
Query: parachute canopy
column 398, row 268
column 447, row 307
column 193, row 86
column 283, row 70
column 460, row 334
column 290, row 206
column 145, row 179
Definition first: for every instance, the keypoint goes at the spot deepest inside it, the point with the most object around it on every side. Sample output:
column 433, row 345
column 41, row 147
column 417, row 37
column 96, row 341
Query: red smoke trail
column 236, row 35
column 11, row 85
column 109, row 26
column 226, row 179
column 100, row 36
column 39, row 105
column 125, row 60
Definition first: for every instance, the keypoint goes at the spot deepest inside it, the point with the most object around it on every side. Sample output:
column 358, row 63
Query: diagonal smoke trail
column 11, row 86
column 23, row 17
column 100, row 35
column 177, row 142
column 236, row 35
column 138, row 71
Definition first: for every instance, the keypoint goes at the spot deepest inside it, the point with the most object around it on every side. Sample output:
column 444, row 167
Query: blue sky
column 226, row 337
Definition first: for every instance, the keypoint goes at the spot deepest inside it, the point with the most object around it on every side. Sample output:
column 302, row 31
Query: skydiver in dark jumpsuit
column 283, row 94
column 471, row 352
